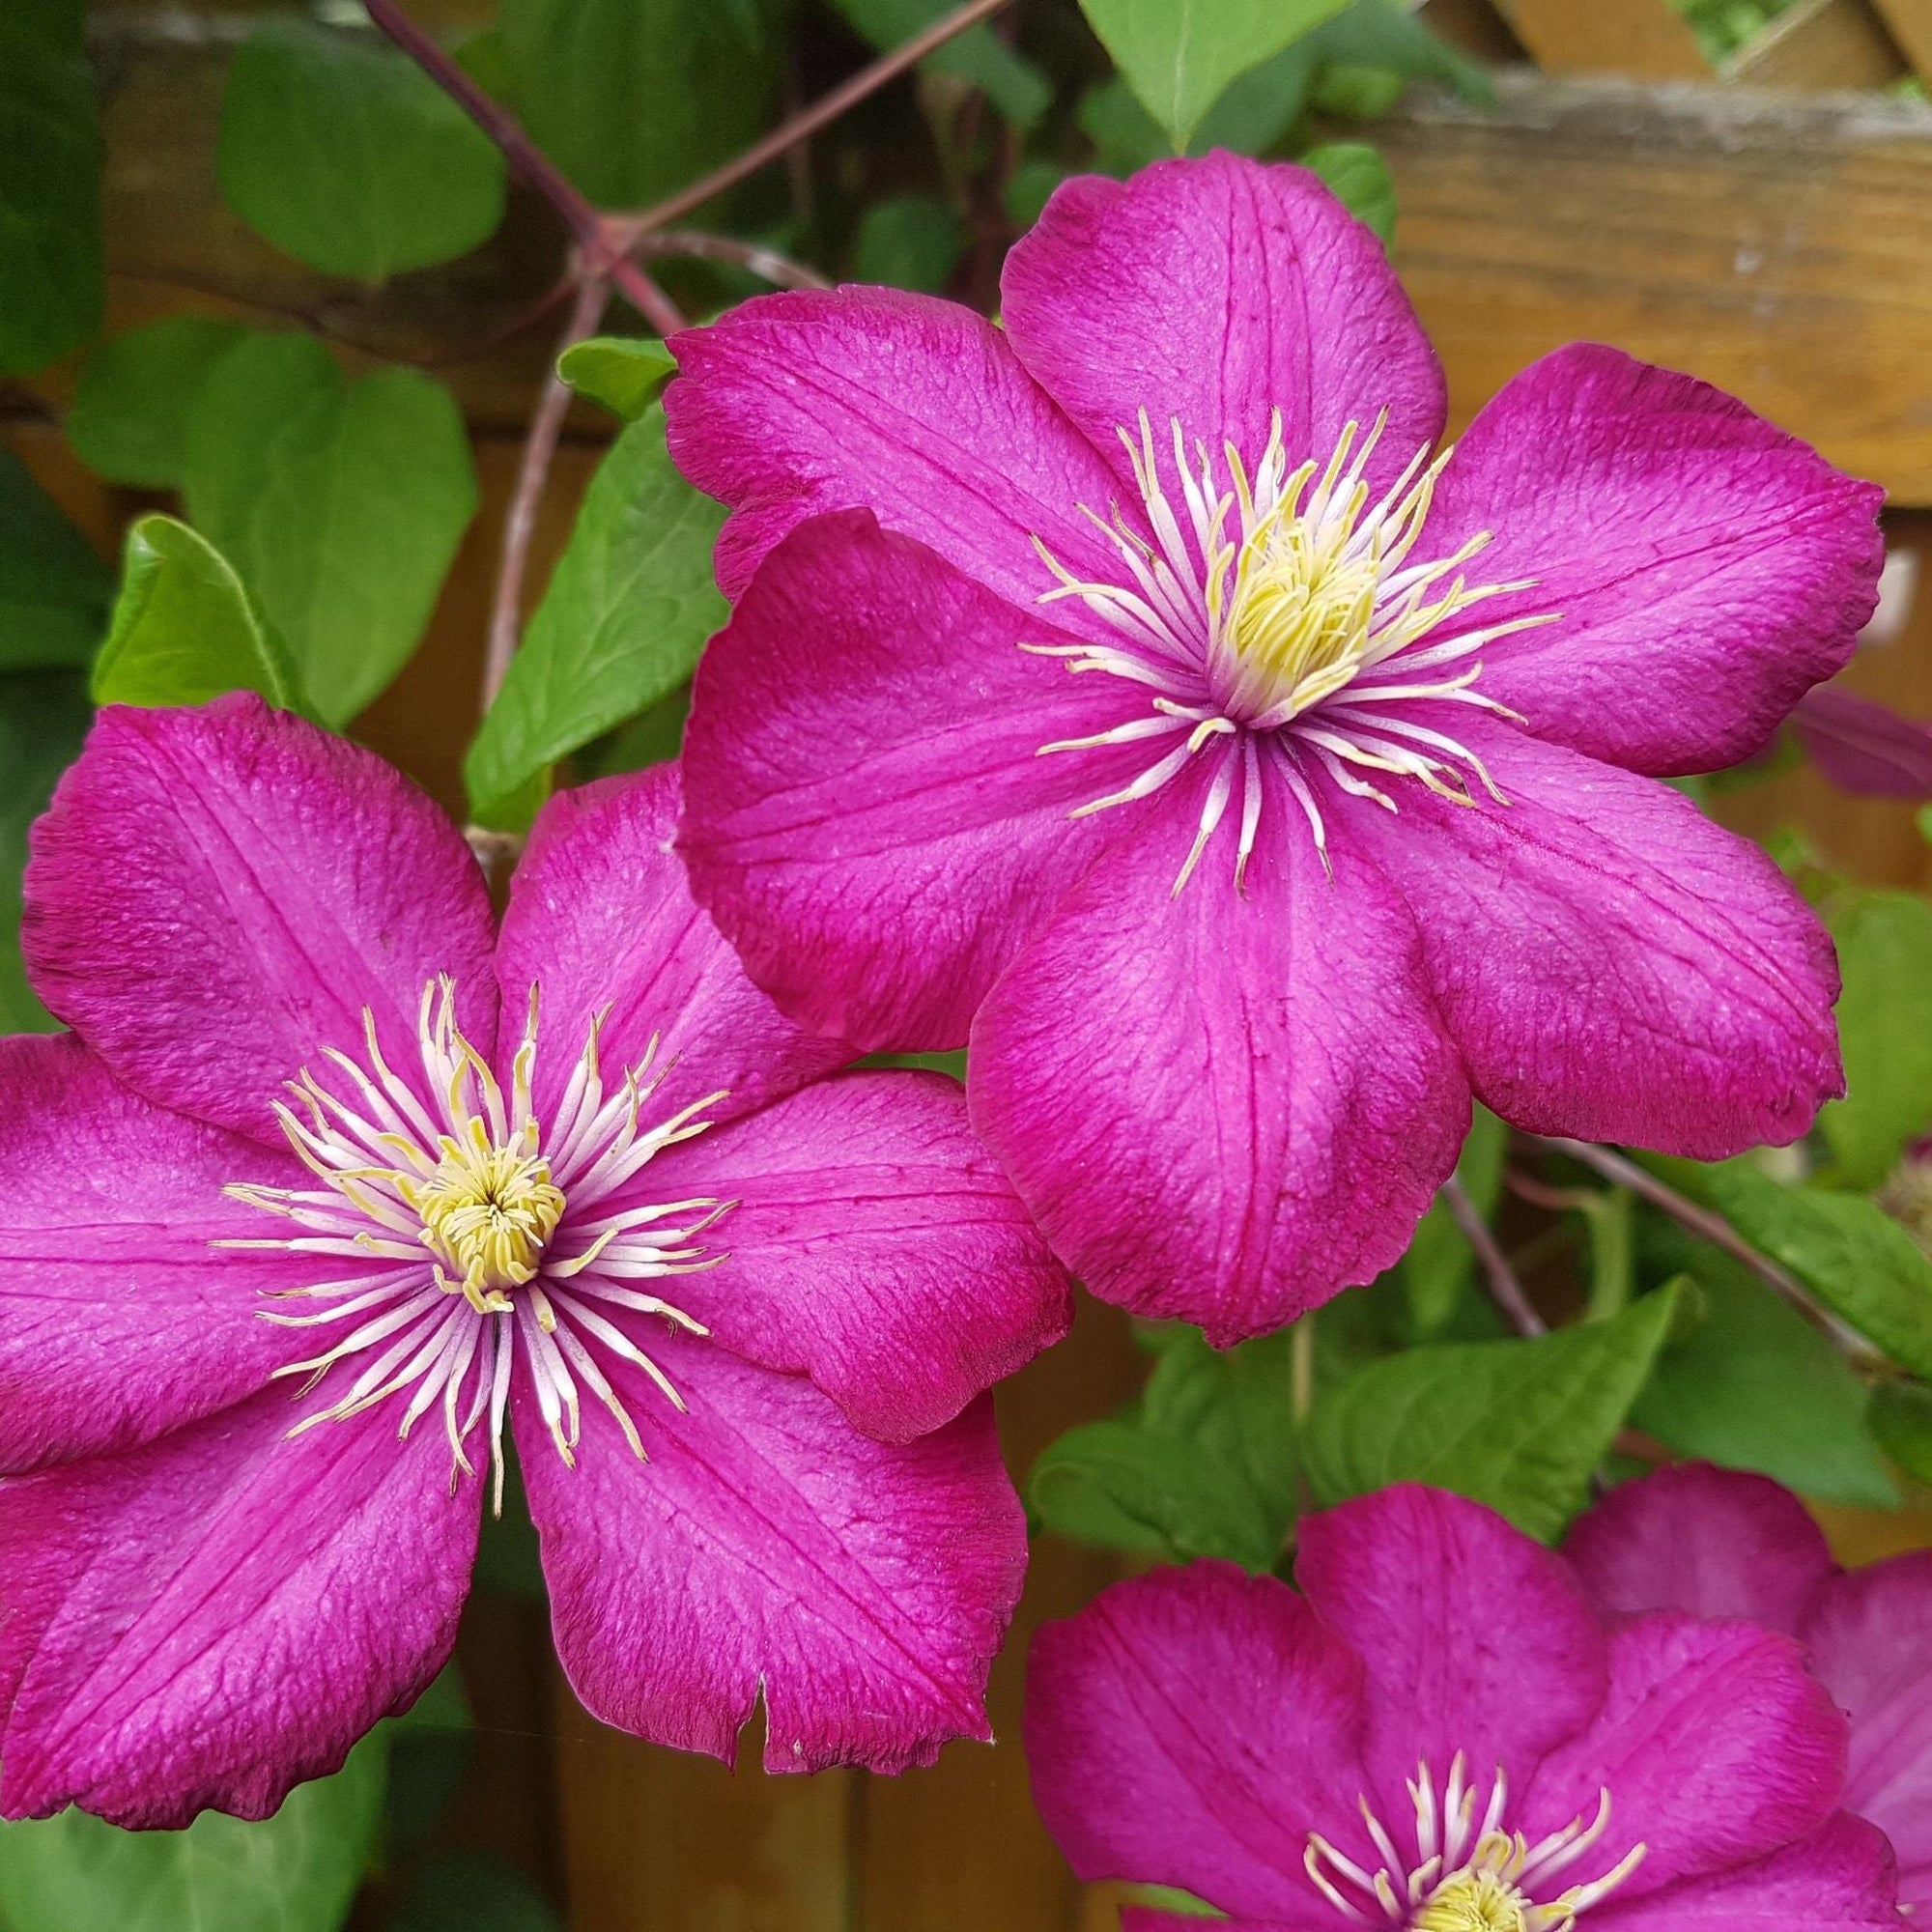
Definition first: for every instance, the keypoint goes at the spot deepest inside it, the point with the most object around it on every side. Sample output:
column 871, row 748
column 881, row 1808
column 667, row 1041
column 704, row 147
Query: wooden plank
column 1778, row 248
column 960, row 1847
column 1911, row 25
column 663, row 1842
column 1821, row 43
column 1645, row 39
column 1476, row 26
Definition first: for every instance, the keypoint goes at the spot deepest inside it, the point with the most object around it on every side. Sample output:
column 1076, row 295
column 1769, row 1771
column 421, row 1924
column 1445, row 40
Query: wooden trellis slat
column 1645, row 39
column 1822, row 43
column 1911, row 25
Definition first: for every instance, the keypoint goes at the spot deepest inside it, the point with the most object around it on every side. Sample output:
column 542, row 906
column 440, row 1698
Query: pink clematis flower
column 1348, row 804
column 1715, row 1543
column 1438, row 1735
column 294, row 1229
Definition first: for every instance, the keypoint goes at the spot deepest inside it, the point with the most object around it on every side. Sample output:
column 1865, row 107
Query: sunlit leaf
column 1519, row 1425
column 1361, row 183
column 341, row 152
column 184, row 628
column 295, row 1872
column 622, row 620
column 340, row 503
column 625, row 373
column 51, row 272
column 1180, row 55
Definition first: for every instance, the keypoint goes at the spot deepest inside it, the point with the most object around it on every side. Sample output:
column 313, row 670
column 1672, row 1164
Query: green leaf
column 129, row 414
column 1361, row 182
column 1250, row 118
column 633, row 99
column 470, row 1892
column 911, row 241
column 1750, row 1383
column 346, row 154
column 1519, row 1425
column 53, row 589
column 430, row 1749
column 1857, row 1261
column 50, row 268
column 1203, row 1464
column 184, row 628
column 1884, row 1026
column 1901, row 1418
column 1180, row 55
column 43, row 716
column 1011, row 82
column 1389, row 36
column 340, row 503
column 1439, row 1265
column 621, row 623
column 295, row 1872
column 625, row 373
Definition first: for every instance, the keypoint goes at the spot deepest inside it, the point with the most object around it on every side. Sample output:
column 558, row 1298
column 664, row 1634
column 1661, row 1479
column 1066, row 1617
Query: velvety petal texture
column 119, row 1319
column 875, row 1246
column 868, row 815
column 221, row 1614
column 601, row 919
column 1706, row 568
column 217, row 894
column 1215, row 293
column 1248, row 1102
column 1293, row 1760
column 767, row 1546
column 1712, row 1543
column 1191, row 1728
column 1614, row 965
column 793, row 405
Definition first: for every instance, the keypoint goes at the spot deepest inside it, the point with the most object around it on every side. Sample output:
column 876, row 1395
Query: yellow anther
column 487, row 1210
column 1477, row 1901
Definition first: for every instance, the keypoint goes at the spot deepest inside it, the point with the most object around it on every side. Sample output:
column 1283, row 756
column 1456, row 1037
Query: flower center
column 1278, row 623
column 1461, row 1871
column 487, row 1211
column 461, row 1232
column 1482, row 1903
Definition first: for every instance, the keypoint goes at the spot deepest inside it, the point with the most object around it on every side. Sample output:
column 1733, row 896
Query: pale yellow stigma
column 1476, row 1902
column 487, row 1210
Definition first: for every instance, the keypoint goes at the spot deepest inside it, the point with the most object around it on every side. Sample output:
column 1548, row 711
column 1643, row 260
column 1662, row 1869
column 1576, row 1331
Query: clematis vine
column 1440, row 1735
column 1145, row 688
column 1717, row 1543
column 296, row 1232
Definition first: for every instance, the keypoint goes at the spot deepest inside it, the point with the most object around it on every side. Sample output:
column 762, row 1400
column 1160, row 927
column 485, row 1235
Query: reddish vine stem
column 532, row 472
column 586, row 225
column 1699, row 1220
column 802, row 126
column 780, row 271
column 1505, row 1289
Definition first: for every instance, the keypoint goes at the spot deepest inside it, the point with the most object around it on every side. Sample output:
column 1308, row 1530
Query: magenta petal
column 767, row 1544
column 875, row 1245
column 1612, row 965
column 1712, row 1543
column 1865, row 748
column 1221, row 1105
column 1714, row 1744
column 867, row 815
column 1869, row 1641
column 1839, row 1877
column 601, row 915
column 1475, row 1637
column 221, row 1614
column 1192, row 1727
column 216, row 895
column 1708, row 568
column 794, row 405
column 1214, row 293
column 117, row 1319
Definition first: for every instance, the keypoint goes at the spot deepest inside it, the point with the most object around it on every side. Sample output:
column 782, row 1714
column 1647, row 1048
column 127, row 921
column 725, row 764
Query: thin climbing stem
column 532, row 472
column 589, row 228
column 1505, row 1289
column 802, row 126
column 767, row 263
